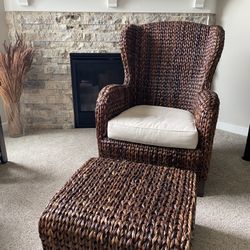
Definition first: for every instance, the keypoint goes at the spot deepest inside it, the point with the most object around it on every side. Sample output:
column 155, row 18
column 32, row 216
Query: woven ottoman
column 112, row 204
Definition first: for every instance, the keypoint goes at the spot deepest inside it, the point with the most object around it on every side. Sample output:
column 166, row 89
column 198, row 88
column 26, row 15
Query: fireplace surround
column 47, row 100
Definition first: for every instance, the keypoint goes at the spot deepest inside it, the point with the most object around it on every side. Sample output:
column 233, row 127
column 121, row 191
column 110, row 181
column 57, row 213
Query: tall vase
column 15, row 127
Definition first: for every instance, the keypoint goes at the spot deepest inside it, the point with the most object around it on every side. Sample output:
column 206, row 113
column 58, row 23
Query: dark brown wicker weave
column 111, row 204
column 166, row 64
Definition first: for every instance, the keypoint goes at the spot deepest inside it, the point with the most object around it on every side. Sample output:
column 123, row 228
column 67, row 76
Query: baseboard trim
column 232, row 128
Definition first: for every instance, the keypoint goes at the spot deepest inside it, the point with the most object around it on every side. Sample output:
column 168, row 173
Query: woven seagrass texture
column 112, row 204
column 167, row 64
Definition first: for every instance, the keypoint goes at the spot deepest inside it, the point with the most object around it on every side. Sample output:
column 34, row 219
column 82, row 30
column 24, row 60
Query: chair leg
column 200, row 188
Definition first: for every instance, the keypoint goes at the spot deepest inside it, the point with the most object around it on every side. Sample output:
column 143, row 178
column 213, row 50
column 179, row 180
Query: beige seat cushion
column 155, row 125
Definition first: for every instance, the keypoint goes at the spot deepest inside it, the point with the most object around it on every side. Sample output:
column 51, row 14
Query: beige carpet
column 42, row 162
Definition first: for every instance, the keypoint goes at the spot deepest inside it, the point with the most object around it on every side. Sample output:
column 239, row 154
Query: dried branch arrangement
column 15, row 62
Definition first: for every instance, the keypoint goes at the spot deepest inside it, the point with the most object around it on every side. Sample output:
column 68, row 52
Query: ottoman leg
column 200, row 188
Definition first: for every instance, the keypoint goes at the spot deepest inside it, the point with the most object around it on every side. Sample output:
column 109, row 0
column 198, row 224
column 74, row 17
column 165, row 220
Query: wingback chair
column 165, row 112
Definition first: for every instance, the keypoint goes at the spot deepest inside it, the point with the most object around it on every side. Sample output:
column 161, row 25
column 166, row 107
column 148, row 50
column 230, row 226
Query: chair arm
column 206, row 112
column 111, row 101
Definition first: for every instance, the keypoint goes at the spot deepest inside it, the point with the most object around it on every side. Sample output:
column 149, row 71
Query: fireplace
column 90, row 72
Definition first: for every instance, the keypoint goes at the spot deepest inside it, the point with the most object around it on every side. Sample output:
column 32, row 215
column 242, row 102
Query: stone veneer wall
column 47, row 98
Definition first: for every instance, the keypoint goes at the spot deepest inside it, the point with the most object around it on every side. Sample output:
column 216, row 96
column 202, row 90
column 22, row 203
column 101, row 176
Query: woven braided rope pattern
column 166, row 64
column 111, row 204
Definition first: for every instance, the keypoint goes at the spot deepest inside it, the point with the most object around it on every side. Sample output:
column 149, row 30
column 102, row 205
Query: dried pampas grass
column 15, row 62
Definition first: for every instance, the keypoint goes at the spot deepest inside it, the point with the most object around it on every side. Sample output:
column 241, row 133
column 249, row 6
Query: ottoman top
column 126, row 205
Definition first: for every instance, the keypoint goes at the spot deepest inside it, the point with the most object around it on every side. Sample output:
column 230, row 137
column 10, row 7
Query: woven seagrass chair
column 167, row 65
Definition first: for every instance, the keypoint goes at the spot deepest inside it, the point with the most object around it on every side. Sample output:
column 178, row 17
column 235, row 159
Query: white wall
column 232, row 81
column 3, row 26
column 3, row 36
column 101, row 6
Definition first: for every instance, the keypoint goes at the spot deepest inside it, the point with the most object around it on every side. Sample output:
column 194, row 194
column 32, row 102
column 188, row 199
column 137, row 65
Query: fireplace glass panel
column 90, row 73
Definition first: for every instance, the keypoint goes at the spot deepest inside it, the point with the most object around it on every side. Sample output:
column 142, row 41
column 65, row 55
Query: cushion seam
column 124, row 126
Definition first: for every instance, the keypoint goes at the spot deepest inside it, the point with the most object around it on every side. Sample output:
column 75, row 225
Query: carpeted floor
column 42, row 162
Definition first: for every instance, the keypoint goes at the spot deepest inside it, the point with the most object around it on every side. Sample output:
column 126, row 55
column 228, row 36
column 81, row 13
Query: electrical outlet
column 199, row 4
column 112, row 3
column 23, row 2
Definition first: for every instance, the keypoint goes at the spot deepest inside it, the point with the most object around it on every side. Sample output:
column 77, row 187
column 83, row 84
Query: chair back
column 170, row 62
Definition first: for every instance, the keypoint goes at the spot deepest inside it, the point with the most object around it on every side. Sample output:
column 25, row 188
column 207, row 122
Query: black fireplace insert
column 90, row 72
